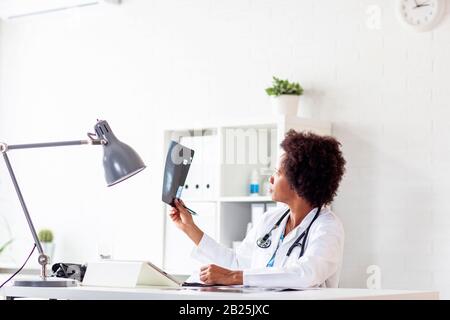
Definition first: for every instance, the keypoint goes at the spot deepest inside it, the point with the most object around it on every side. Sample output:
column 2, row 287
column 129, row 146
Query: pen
column 192, row 212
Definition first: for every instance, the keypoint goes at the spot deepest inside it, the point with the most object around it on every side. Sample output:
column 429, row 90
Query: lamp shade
column 120, row 161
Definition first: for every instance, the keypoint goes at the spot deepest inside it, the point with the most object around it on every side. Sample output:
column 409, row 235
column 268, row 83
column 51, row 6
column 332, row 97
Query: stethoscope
column 265, row 242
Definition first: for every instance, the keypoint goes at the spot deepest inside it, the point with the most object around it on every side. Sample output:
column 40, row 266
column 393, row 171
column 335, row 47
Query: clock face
column 420, row 15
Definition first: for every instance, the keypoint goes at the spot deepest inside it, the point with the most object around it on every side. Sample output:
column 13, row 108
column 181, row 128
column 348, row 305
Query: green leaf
column 280, row 87
column 45, row 235
column 270, row 91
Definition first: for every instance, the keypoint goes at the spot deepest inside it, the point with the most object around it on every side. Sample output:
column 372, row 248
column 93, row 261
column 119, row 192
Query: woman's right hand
column 184, row 221
column 181, row 216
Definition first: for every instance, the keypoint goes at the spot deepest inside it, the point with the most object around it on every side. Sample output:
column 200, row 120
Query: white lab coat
column 319, row 266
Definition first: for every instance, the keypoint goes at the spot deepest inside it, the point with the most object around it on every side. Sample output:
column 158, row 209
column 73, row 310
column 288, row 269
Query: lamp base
column 49, row 283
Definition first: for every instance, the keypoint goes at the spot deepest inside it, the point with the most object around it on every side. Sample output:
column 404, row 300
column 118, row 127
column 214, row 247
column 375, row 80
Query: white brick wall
column 385, row 90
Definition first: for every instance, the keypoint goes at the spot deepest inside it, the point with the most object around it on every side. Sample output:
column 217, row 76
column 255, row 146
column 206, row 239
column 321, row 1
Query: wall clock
column 420, row 15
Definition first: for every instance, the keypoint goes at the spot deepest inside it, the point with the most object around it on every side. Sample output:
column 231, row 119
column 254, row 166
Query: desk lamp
column 120, row 162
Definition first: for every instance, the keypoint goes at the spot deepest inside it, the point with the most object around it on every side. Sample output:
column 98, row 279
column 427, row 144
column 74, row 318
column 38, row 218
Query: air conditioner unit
column 13, row 9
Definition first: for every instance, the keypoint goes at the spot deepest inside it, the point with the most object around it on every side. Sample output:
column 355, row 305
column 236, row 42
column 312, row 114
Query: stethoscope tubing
column 265, row 242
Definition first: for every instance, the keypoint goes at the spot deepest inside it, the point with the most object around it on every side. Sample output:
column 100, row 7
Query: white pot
column 286, row 104
column 49, row 250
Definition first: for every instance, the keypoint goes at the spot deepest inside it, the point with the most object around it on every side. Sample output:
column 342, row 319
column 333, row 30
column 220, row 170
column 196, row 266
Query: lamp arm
column 55, row 144
column 43, row 258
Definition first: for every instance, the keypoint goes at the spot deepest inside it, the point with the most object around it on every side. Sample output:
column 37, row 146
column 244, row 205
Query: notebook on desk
column 127, row 274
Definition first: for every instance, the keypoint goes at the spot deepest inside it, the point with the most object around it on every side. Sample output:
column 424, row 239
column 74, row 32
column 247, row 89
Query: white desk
column 103, row 293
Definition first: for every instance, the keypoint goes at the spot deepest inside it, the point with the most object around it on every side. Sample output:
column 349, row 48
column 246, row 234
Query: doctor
column 297, row 245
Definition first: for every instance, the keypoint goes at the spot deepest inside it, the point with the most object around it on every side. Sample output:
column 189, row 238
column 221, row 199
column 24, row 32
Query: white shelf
column 195, row 200
column 255, row 121
column 246, row 199
column 231, row 199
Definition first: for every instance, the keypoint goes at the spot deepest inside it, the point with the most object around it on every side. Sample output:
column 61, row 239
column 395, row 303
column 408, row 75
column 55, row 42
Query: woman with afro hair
column 299, row 244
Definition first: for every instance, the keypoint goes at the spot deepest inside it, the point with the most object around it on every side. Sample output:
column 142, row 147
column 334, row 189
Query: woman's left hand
column 213, row 274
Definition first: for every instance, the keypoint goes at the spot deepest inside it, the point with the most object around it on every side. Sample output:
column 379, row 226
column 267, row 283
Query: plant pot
column 49, row 250
column 286, row 104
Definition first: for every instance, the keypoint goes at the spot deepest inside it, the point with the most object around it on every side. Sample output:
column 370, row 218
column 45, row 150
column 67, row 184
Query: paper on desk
column 195, row 278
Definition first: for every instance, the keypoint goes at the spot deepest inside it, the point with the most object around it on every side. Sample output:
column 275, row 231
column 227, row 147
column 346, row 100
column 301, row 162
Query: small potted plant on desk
column 285, row 96
column 5, row 245
column 5, row 238
column 46, row 239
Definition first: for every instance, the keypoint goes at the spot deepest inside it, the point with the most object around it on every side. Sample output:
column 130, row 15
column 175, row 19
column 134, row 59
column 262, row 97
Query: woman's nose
column 271, row 179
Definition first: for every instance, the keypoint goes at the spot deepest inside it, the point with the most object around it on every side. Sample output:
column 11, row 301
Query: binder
column 210, row 154
column 193, row 181
column 202, row 179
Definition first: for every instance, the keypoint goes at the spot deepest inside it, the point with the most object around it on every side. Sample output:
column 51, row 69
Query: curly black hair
column 314, row 166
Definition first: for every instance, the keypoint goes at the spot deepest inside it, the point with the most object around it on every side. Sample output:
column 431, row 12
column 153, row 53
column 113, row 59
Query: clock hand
column 421, row 5
column 418, row 5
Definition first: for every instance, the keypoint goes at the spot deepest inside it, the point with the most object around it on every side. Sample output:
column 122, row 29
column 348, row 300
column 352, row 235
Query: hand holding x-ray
column 181, row 216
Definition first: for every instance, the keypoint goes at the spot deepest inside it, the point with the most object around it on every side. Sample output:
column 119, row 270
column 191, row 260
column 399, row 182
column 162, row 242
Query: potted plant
column 5, row 235
column 46, row 238
column 285, row 96
column 5, row 245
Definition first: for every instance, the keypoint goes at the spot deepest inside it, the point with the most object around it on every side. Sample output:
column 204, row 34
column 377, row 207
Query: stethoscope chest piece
column 264, row 243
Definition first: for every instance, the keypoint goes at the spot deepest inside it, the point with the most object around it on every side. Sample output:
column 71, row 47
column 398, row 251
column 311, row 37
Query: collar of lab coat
column 298, row 229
